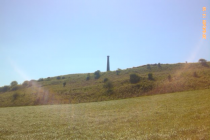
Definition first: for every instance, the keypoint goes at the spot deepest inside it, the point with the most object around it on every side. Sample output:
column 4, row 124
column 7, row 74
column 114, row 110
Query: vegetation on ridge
column 76, row 88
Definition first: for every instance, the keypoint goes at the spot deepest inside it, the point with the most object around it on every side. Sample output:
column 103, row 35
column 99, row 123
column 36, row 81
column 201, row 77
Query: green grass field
column 181, row 115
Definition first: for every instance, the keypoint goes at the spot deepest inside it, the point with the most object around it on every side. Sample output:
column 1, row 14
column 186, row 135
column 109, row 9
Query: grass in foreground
column 183, row 115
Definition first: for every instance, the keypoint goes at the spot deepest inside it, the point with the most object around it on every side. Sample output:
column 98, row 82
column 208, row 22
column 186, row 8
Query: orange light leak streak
column 204, row 23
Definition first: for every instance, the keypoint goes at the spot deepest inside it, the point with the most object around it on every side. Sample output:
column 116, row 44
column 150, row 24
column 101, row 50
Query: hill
column 181, row 115
column 109, row 86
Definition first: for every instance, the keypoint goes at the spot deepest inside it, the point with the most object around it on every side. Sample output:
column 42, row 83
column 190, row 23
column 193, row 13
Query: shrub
column 150, row 76
column 203, row 62
column 169, row 78
column 97, row 74
column 15, row 88
column 148, row 66
column 88, row 77
column 134, row 78
column 108, row 85
column 14, row 83
column 58, row 78
column 25, row 83
column 40, row 79
column 63, row 77
column 4, row 89
column 105, row 80
column 15, row 95
column 48, row 78
column 118, row 71
column 64, row 84
column 159, row 66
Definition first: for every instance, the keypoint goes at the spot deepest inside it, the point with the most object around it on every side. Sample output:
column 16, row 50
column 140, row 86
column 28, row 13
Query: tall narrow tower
column 108, row 68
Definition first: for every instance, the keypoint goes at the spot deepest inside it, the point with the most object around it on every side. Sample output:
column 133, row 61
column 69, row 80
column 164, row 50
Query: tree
column 134, row 78
column 150, row 76
column 4, row 89
column 14, row 83
column 97, row 74
column 203, row 62
column 25, row 83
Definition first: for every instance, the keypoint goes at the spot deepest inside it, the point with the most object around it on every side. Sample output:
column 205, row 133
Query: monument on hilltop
column 108, row 67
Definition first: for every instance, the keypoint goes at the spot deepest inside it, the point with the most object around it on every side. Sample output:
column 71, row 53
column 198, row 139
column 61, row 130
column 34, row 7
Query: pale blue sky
column 45, row 38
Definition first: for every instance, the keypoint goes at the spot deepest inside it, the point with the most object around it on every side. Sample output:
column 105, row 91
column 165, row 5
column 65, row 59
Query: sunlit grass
column 183, row 115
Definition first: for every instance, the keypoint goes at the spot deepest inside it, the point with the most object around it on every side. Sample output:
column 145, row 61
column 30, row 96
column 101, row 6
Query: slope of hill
column 181, row 115
column 184, row 77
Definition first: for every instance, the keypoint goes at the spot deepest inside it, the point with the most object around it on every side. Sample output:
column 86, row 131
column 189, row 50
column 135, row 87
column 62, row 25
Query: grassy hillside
column 184, row 77
column 183, row 115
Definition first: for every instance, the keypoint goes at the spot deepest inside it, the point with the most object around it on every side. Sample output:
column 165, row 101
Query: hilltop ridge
column 78, row 88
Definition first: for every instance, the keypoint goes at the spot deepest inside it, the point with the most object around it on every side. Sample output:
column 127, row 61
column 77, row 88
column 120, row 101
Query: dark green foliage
column 134, row 78
column 118, row 71
column 63, row 77
column 48, row 78
column 148, row 66
column 58, row 77
column 15, row 96
column 88, row 77
column 4, row 89
column 25, row 83
column 150, row 76
column 105, row 80
column 203, row 62
column 108, row 85
column 169, row 78
column 97, row 74
column 40, row 79
column 64, row 84
column 13, row 88
column 14, row 83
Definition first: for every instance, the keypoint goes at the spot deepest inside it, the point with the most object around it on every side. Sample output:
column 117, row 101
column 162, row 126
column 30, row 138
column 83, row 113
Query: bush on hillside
column 118, row 71
column 88, row 77
column 203, row 62
column 25, row 83
column 64, row 84
column 159, row 66
column 4, row 88
column 58, row 78
column 108, row 85
column 148, row 66
column 150, row 76
column 134, row 78
column 14, row 83
column 15, row 87
column 63, row 77
column 97, row 74
column 48, row 79
column 15, row 96
column 40, row 79
column 105, row 80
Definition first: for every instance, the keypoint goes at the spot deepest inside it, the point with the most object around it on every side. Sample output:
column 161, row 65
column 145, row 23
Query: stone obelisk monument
column 108, row 68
